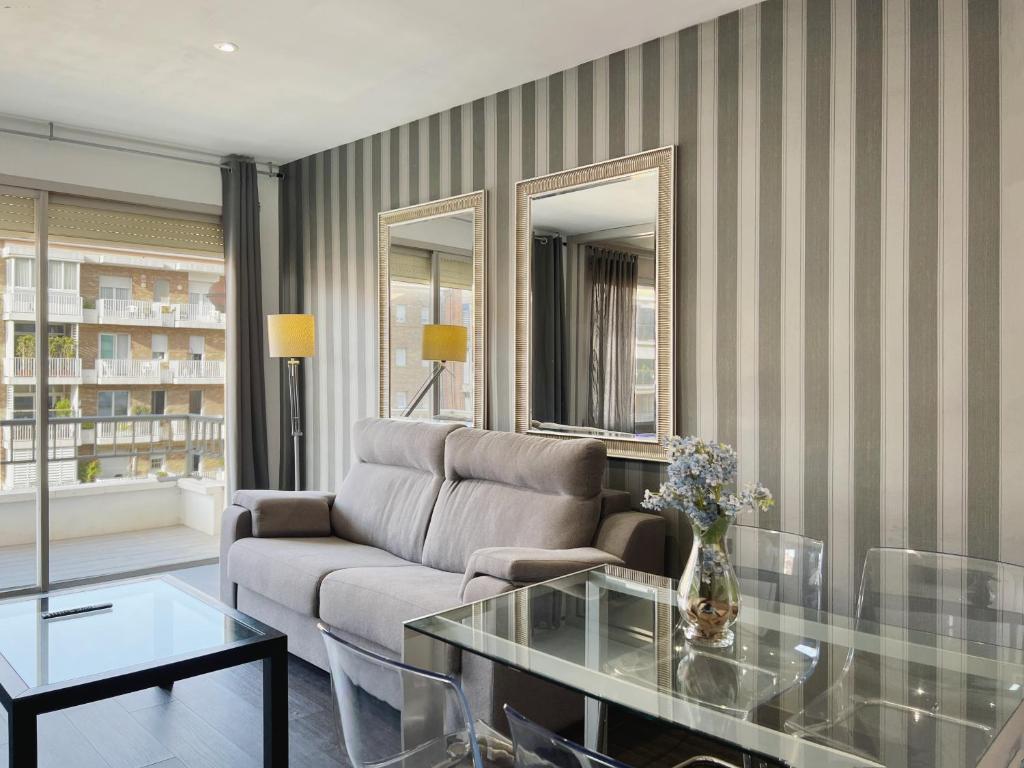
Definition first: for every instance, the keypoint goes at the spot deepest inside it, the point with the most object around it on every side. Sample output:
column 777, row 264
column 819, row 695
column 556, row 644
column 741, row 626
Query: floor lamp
column 442, row 344
column 292, row 337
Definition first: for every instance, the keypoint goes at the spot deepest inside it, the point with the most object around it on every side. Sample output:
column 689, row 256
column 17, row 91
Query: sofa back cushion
column 507, row 490
column 386, row 499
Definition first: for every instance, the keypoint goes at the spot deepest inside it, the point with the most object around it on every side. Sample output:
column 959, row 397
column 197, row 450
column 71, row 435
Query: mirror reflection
column 430, row 264
column 592, row 312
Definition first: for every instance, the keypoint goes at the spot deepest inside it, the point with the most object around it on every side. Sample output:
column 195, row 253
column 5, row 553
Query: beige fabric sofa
column 431, row 516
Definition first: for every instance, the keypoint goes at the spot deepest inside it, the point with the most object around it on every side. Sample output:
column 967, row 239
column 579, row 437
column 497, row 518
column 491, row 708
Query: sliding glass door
column 22, row 559
column 112, row 327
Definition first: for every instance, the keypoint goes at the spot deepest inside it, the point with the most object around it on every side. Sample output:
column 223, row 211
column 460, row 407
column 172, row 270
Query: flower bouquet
column 701, row 485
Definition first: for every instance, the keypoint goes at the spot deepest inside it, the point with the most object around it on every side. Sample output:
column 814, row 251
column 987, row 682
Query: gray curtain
column 241, row 220
column 613, row 278
column 290, row 298
column 548, row 343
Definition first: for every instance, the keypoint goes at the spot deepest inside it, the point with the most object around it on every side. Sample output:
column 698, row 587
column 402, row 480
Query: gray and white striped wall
column 850, row 233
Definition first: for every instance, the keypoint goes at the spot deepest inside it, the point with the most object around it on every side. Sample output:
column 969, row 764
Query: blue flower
column 699, row 473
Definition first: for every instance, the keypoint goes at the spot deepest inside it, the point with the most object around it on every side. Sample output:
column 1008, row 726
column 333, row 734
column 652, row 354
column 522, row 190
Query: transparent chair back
column 778, row 573
column 373, row 729
column 897, row 701
column 967, row 598
column 536, row 747
column 776, row 567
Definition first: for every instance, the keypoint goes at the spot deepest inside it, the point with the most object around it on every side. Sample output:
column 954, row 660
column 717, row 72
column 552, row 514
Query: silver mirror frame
column 662, row 160
column 471, row 201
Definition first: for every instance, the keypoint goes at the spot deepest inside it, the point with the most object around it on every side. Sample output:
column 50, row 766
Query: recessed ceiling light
column 225, row 47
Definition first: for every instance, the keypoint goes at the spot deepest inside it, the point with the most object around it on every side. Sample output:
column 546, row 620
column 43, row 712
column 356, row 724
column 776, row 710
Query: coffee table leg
column 275, row 708
column 22, row 743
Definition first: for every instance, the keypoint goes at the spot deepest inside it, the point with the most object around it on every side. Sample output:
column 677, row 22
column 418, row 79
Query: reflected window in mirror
column 431, row 259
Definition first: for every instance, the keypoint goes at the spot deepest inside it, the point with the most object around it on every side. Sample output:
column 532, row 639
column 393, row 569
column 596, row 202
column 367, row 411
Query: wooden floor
column 102, row 555
column 213, row 721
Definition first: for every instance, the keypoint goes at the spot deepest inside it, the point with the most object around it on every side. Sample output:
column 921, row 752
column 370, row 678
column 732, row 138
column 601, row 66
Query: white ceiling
column 309, row 74
column 627, row 202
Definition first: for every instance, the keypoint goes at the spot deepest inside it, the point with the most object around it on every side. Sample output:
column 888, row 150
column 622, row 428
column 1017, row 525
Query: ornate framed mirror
column 431, row 312
column 594, row 304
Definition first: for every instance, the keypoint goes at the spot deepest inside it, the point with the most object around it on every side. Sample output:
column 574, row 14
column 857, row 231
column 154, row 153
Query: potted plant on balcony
column 25, row 345
column 61, row 346
column 88, row 471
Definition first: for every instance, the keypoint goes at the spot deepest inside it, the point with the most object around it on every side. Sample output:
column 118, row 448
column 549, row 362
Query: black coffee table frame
column 24, row 703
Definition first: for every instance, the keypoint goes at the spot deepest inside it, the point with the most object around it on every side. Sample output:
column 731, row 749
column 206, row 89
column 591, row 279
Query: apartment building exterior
column 136, row 370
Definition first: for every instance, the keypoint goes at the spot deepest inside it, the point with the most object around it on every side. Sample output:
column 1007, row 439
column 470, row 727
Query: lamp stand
column 421, row 393
column 293, row 399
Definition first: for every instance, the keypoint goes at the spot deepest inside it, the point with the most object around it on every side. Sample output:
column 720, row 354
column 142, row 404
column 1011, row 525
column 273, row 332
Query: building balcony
column 154, row 314
column 128, row 312
column 197, row 371
column 22, row 370
column 203, row 315
column 126, row 371
column 62, row 306
column 112, row 526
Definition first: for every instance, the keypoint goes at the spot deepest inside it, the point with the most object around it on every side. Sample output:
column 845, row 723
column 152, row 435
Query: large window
column 132, row 363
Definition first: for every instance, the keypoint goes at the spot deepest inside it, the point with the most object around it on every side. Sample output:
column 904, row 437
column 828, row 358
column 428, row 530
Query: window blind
column 412, row 265
column 114, row 224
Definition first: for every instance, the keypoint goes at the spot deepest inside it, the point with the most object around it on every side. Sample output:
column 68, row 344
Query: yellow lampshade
column 444, row 342
column 290, row 335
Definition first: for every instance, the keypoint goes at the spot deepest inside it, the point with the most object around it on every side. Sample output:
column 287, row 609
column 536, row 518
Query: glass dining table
column 799, row 687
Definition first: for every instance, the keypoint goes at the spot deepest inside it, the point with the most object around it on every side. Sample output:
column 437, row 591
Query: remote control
column 76, row 611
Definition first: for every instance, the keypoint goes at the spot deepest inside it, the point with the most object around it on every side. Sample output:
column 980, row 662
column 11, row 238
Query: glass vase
column 709, row 593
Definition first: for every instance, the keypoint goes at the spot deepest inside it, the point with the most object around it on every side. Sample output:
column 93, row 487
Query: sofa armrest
column 613, row 501
column 525, row 565
column 636, row 538
column 235, row 524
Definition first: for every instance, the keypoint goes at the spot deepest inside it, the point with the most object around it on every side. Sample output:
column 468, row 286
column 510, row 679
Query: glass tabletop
column 149, row 620
column 799, row 686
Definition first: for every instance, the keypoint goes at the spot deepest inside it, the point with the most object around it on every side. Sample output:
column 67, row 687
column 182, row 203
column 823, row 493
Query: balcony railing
column 185, row 371
column 61, row 305
column 128, row 310
column 204, row 314
column 83, row 438
column 127, row 371
column 60, row 368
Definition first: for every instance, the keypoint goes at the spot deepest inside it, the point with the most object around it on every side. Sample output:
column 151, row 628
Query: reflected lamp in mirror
column 292, row 337
column 594, row 304
column 431, row 310
column 441, row 344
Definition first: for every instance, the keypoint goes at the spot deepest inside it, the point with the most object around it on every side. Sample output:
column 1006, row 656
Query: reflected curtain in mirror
column 594, row 333
column 549, row 334
column 613, row 281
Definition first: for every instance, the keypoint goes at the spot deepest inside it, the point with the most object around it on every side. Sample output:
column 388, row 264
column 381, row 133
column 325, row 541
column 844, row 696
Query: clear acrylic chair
column 536, row 747
column 373, row 730
column 776, row 567
column 899, row 704
column 780, row 576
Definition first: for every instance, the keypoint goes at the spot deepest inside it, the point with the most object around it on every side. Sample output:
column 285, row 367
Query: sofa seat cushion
column 289, row 571
column 373, row 603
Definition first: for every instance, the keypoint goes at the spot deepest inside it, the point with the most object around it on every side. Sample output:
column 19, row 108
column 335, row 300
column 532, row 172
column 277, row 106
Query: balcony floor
column 107, row 554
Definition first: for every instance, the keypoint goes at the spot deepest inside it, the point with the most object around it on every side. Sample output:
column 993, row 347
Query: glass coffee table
column 798, row 688
column 155, row 631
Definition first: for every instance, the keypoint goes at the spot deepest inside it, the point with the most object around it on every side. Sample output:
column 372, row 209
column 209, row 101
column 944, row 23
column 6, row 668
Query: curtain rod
column 270, row 172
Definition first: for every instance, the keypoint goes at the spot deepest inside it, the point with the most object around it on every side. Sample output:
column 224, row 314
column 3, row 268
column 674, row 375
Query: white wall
column 172, row 180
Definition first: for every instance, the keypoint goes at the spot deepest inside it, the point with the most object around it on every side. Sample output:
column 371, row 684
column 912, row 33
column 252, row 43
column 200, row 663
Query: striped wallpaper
column 850, row 228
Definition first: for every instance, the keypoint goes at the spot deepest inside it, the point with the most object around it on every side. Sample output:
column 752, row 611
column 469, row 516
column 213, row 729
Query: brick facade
column 177, row 396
